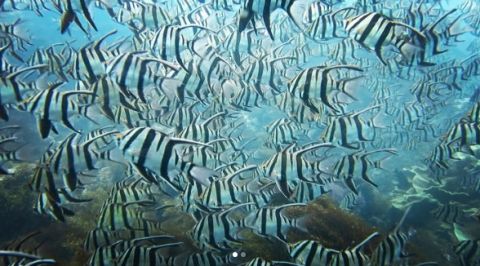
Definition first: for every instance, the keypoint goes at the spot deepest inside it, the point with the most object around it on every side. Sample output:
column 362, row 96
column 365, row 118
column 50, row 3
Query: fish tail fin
column 295, row 12
column 344, row 85
column 202, row 174
column 301, row 223
column 67, row 18
column 20, row 32
column 4, row 112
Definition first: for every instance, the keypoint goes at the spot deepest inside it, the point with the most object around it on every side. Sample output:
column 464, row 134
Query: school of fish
column 236, row 111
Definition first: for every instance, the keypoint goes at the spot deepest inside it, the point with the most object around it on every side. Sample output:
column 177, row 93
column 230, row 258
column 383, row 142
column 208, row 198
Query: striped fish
column 315, row 10
column 317, row 83
column 442, row 153
column 217, row 230
column 151, row 150
column 374, row 31
column 145, row 255
column 264, row 8
column 350, row 130
column 47, row 204
column 132, row 118
column 184, row 84
column 107, row 93
column 181, row 116
column 468, row 252
column 136, row 190
column 126, row 216
column 12, row 90
column 287, row 167
column 465, row 132
column 89, row 60
column 110, row 254
column 326, row 26
column 309, row 252
column 134, row 70
column 357, row 165
column 224, row 192
column 52, row 105
column 353, row 256
column 71, row 158
column 151, row 16
column 70, row 16
column 200, row 131
column 168, row 42
column 447, row 213
column 22, row 257
column 349, row 201
column 102, row 237
column 207, row 258
column 270, row 221
column 392, row 248
column 263, row 72
column 307, row 191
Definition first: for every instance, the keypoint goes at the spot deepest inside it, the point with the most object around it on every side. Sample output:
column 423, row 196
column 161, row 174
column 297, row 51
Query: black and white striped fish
column 353, row 256
column 225, row 192
column 448, row 213
column 271, row 221
column 374, row 31
column 53, row 105
column 264, row 8
column 287, row 167
column 69, row 15
column 468, row 252
column 316, row 85
column 135, row 71
column 350, row 130
column 357, row 165
column 88, row 62
column 218, row 231
column 72, row 157
column 310, row 252
column 138, row 255
column 152, row 153
column 392, row 248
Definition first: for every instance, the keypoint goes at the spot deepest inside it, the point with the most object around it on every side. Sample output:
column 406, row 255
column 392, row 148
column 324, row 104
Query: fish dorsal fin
column 421, row 35
column 225, row 212
column 365, row 110
column 313, row 147
column 71, row 93
column 334, row 13
column 134, row 241
column 392, row 151
column 210, row 119
column 273, row 61
column 444, row 16
column 231, row 176
column 361, row 244
column 97, row 43
column 187, row 141
column 20, row 71
column 282, row 207
column 52, row 87
column 350, row 67
column 289, row 148
column 155, row 247
column 399, row 224
column 180, row 28
column 90, row 141
column 163, row 62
